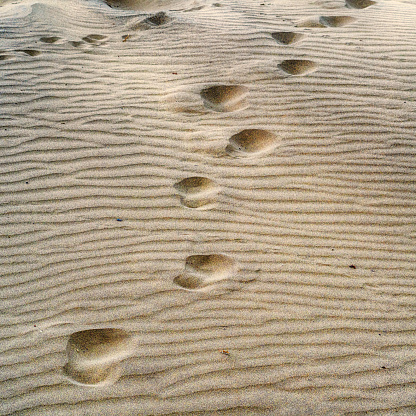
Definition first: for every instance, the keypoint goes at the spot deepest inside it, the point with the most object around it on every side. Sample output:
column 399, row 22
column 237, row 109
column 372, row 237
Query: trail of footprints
column 94, row 356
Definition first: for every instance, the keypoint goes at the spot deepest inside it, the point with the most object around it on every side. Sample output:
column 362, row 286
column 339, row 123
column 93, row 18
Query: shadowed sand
column 207, row 208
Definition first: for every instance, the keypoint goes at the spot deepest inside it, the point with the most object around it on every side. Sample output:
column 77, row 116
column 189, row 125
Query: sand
column 208, row 207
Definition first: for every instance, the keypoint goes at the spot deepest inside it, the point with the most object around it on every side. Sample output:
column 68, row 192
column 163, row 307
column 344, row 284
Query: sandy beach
column 208, row 207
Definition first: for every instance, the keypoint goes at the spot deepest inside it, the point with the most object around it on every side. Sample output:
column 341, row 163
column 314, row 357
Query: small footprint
column 204, row 270
column 336, row 21
column 49, row 39
column 197, row 192
column 94, row 355
column 312, row 22
column 287, row 38
column 251, row 142
column 158, row 19
column 94, row 39
column 359, row 4
column 225, row 98
column 30, row 52
column 298, row 66
column 5, row 57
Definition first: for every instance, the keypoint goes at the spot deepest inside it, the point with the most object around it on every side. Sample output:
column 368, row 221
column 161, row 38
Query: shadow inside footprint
column 225, row 98
column 287, row 38
column 158, row 19
column 204, row 270
column 359, row 4
column 336, row 21
column 251, row 142
column 298, row 66
column 94, row 39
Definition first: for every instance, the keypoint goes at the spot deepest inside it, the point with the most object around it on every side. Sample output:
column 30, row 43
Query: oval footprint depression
column 205, row 269
column 287, row 38
column 225, row 98
column 359, row 4
column 251, row 142
column 149, row 5
column 336, row 21
column 94, row 355
column 298, row 66
column 197, row 192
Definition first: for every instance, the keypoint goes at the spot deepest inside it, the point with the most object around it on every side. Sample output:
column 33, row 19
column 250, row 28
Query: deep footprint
column 251, row 142
column 298, row 66
column 203, row 270
column 336, row 21
column 94, row 355
column 287, row 38
column 225, row 98
column 197, row 192
column 359, row 4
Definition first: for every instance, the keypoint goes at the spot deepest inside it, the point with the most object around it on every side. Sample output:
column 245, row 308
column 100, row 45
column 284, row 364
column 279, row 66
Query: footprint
column 197, row 192
column 251, row 142
column 30, row 52
column 149, row 5
column 158, row 19
column 225, row 98
column 310, row 23
column 336, row 21
column 5, row 57
column 298, row 66
column 287, row 38
column 94, row 39
column 94, row 355
column 359, row 4
column 204, row 270
column 49, row 39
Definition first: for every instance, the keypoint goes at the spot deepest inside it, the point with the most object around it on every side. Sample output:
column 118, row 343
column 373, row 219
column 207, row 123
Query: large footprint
column 197, row 192
column 94, row 356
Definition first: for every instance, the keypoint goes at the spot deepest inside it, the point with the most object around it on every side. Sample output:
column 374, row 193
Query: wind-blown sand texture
column 208, row 207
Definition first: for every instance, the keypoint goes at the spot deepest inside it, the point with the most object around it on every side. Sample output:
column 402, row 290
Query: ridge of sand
column 308, row 304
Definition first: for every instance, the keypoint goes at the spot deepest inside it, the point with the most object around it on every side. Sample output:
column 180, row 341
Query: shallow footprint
column 251, row 142
column 203, row 270
column 49, row 39
column 149, row 5
column 94, row 39
column 359, row 4
column 225, row 98
column 336, row 21
column 287, row 38
column 30, row 52
column 298, row 66
column 312, row 22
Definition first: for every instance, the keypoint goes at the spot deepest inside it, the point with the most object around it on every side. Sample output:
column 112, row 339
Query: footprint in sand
column 151, row 22
column 225, row 98
column 94, row 356
column 251, row 143
column 288, row 38
column 326, row 21
column 151, row 5
column 197, row 192
column 298, row 66
column 94, row 39
column 359, row 4
column 49, row 39
column 203, row 270
column 336, row 21
column 30, row 52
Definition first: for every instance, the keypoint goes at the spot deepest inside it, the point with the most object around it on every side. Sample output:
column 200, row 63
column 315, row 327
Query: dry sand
column 208, row 207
